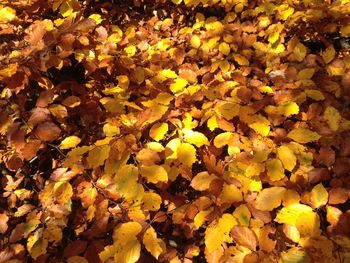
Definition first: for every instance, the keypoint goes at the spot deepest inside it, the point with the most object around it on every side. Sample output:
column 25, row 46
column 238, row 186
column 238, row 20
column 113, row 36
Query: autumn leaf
column 153, row 244
column 218, row 232
column 287, row 156
column 70, row 142
column 244, row 236
column 269, row 198
column 275, row 169
column 154, row 173
column 202, row 180
column 196, row 138
column 303, row 135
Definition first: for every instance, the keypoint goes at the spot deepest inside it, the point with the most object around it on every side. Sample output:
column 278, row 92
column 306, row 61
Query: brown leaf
column 3, row 223
column 48, row 131
column 244, row 236
column 39, row 115
column 338, row 196
column 75, row 248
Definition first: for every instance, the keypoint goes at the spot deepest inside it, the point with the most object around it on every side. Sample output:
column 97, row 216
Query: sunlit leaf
column 269, row 198
column 275, row 169
column 303, row 135
column 218, row 232
column 154, row 245
column 70, row 142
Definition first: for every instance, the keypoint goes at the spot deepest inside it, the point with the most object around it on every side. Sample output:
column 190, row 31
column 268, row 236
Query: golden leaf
column 154, row 245
column 70, row 142
column 151, row 201
column 329, row 54
column 319, row 196
column 303, row 135
column 98, row 155
column 242, row 214
column 154, row 173
column 194, row 137
column 287, row 156
column 202, row 180
column 218, row 232
column 7, row 14
column 158, row 131
column 269, row 198
column 275, row 169
column 186, row 154
column 302, row 217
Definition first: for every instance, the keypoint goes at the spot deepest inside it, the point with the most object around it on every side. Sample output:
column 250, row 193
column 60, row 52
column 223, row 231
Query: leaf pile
column 175, row 131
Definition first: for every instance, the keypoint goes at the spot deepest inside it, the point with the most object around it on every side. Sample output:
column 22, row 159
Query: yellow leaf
column 97, row 18
column 291, row 232
column 305, row 73
column 154, row 173
column 269, row 198
column 288, row 109
column 194, row 137
column 126, row 248
column 241, row 60
column 260, row 128
column 36, row 244
column 202, row 180
column 218, row 232
column 299, row 52
column 229, row 110
column 242, row 214
column 286, row 155
column 273, row 37
column 154, row 245
column 158, row 131
column 98, row 155
column 200, row 218
column 70, row 142
column 314, row 94
column 212, row 123
column 303, row 135
column 125, row 182
column 186, row 154
column 230, row 194
column 319, row 196
column 345, row 31
column 168, row 73
column 110, row 130
column 195, row 41
column 7, row 14
column 329, row 54
column 302, row 217
column 223, row 139
column 178, row 86
column 151, row 201
column 332, row 117
column 66, row 8
column 294, row 255
column 275, row 169
column 224, row 48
